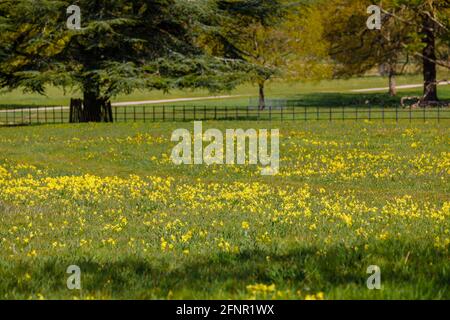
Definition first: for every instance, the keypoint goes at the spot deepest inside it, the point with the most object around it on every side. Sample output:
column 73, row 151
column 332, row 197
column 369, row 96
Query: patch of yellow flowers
column 43, row 214
column 161, row 213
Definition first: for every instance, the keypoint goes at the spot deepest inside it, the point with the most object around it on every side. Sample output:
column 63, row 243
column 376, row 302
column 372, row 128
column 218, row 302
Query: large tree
column 430, row 21
column 277, row 39
column 434, row 27
column 121, row 46
column 356, row 49
column 410, row 28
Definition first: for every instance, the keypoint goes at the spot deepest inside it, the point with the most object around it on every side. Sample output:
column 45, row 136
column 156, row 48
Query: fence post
column 382, row 113
column 23, row 121
column 331, row 116
column 62, row 115
column 370, row 113
column 396, row 113
column 410, row 114
column 29, row 114
column 424, row 114
column 164, row 113
column 343, row 113
column 317, row 113
column 54, row 115
column 144, row 111
column 439, row 114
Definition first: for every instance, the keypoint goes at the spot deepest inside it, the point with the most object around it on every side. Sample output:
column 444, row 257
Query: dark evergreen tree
column 121, row 46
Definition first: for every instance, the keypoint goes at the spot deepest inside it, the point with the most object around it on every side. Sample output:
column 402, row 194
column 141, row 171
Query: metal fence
column 10, row 116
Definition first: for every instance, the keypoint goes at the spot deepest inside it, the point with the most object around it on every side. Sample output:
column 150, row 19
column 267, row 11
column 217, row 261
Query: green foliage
column 122, row 46
column 356, row 49
column 277, row 39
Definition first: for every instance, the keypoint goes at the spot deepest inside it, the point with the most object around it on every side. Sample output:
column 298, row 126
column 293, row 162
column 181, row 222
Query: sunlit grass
column 277, row 89
column 106, row 197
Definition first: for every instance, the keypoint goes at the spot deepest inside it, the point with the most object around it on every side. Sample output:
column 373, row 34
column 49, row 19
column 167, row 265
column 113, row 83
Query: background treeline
column 215, row 44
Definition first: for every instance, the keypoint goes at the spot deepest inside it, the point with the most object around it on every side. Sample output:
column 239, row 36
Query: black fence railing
column 10, row 116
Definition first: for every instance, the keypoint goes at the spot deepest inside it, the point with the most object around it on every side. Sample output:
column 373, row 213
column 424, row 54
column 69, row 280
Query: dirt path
column 145, row 102
column 408, row 86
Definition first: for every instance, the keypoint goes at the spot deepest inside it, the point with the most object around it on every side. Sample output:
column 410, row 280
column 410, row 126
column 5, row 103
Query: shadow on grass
column 357, row 100
column 312, row 99
column 345, row 99
column 424, row 271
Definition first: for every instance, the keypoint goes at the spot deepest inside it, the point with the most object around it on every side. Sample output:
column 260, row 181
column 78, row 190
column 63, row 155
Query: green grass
column 311, row 100
column 294, row 90
column 382, row 111
column 106, row 197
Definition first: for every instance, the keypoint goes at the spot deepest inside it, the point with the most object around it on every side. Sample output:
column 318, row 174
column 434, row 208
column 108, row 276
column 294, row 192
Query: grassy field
column 305, row 101
column 293, row 91
column 108, row 199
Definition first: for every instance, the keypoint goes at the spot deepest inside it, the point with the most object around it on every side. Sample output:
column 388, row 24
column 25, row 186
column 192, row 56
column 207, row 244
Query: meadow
column 106, row 197
column 320, row 100
column 240, row 96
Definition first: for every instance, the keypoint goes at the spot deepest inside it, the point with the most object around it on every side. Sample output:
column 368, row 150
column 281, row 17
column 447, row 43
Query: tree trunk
column 262, row 99
column 429, row 60
column 392, row 83
column 91, row 109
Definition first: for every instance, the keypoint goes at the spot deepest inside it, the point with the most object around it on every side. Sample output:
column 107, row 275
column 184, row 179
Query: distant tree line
column 414, row 32
column 123, row 46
